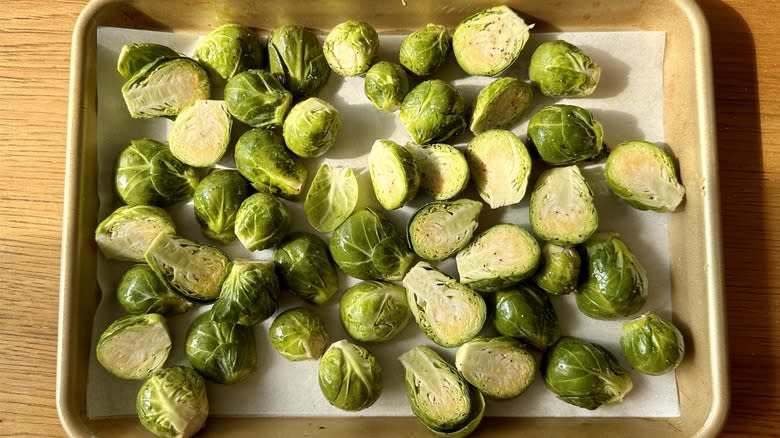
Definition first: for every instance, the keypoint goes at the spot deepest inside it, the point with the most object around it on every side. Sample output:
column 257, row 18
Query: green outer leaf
column 295, row 57
column 129, row 230
column 164, row 87
column 141, row 290
column 500, row 167
column 305, row 267
column 500, row 104
column 229, row 50
column 394, row 175
column 311, row 128
column 562, row 209
column 560, row 69
column 201, row 133
column 433, row 112
column 350, row 376
column 134, row 346
column 173, row 402
column 262, row 221
column 500, row 367
column 439, row 229
column 565, row 134
column 386, row 84
column 299, row 334
column 222, row 351
column 559, row 270
column 134, row 57
column 216, row 201
column 374, row 311
column 351, row 47
column 423, row 51
column 262, row 159
column 653, row 345
column 256, row 98
column 443, row 169
column 249, row 294
column 331, row 198
column 526, row 313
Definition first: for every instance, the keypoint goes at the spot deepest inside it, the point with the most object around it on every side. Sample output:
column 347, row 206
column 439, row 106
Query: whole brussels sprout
column 216, row 201
column 331, row 198
column 221, row 351
column 257, row 98
column 559, row 269
column 229, row 50
column 164, row 87
column 306, row 268
column 311, row 128
column 134, row 346
column 423, row 51
column 565, row 134
column 296, row 59
column 350, row 48
column 374, row 311
column 560, row 69
column 249, row 294
column 386, row 85
column 299, row 334
column 500, row 166
column 526, row 313
column 173, row 403
column 500, row 368
column 584, row 374
column 134, row 57
column 201, row 133
column 350, row 376
column 443, row 169
column 499, row 104
column 562, row 209
column 652, row 345
column 439, row 229
column 129, row 230
column 433, row 112
column 394, row 174
column 262, row 221
column 141, row 290
column 262, row 158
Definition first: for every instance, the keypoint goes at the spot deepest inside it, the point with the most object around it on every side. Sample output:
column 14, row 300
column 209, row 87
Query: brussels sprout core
column 129, row 230
column 444, row 172
column 201, row 133
column 500, row 367
column 311, row 128
column 499, row 104
column 560, row 69
column 440, row 229
column 350, row 47
column 500, row 166
column 562, row 209
column 173, row 403
column 165, row 87
column 394, row 175
column 134, row 346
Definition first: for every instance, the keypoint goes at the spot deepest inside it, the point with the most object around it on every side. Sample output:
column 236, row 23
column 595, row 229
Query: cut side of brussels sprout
column 500, row 368
column 443, row 169
column 559, row 270
column 222, row 351
column 201, row 133
column 141, row 290
column 643, row 175
column 229, row 50
column 562, row 208
column 262, row 221
column 423, row 51
column 134, row 57
column 165, row 87
column 129, row 230
column 299, row 334
column 311, row 128
column 560, row 69
column 565, row 134
column 394, row 174
column 499, row 104
column 653, row 345
column 257, row 98
column 306, row 268
column 262, row 158
column 433, row 112
column 350, row 48
column 439, row 229
column 374, row 311
column 249, row 294
column 295, row 57
column 350, row 376
column 331, row 198
column 173, row 403
column 500, row 165
column 526, row 313
column 134, row 346
column 216, row 201
column 386, row 85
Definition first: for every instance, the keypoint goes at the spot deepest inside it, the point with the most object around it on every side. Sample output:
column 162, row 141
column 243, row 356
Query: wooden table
column 34, row 65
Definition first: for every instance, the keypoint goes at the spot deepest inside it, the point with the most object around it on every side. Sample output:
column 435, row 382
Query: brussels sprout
column 262, row 221
column 249, row 294
column 140, row 291
column 173, row 403
column 134, row 346
column 147, row 173
column 386, row 84
column 499, row 367
column 331, row 198
column 394, row 174
column 134, row 57
column 299, row 334
column 433, row 112
column 305, row 267
column 565, row 134
column 129, row 230
column 499, row 104
column 584, row 374
column 652, row 345
column 216, row 201
column 526, row 313
column 559, row 269
column 262, row 159
column 195, row 271
column 488, row 42
column 229, row 50
column 643, row 175
column 560, row 69
column 222, row 351
column 443, row 169
column 500, row 166
column 367, row 246
column 615, row 283
column 296, row 59
column 201, row 133
column 164, row 87
column 423, row 51
column 374, row 311
column 350, row 48
column 561, row 209
column 256, row 98
column 438, row 395
column 503, row 255
column 311, row 128
column 448, row 312
column 350, row 377
column 439, row 229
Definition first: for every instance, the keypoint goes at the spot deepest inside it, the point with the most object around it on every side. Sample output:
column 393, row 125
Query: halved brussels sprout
column 500, row 166
column 164, row 87
column 653, row 345
column 229, row 50
column 299, row 334
column 350, row 376
column 439, row 229
column 295, row 57
column 615, row 283
column 374, row 311
column 216, row 201
column 134, row 346
column 331, row 198
column 221, row 351
column 503, row 255
column 565, row 134
column 134, row 57
column 386, row 84
column 643, row 175
column 306, row 268
column 262, row 158
column 433, row 112
column 367, row 246
column 526, row 313
column 488, row 42
column 129, row 230
column 249, row 294
column 448, row 312
column 311, row 128
column 201, row 133
column 584, row 374
column 173, row 403
column 559, row 270
column 147, row 173
column 560, row 69
column 262, row 221
column 499, row 104
column 394, row 174
column 562, row 209
column 257, row 98
column 350, row 48
column 423, row 51
column 141, row 290
column 443, row 169
column 500, row 368
column 195, row 271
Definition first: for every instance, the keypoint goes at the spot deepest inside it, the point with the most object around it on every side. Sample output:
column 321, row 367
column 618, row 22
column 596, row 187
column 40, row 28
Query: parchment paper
column 629, row 104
